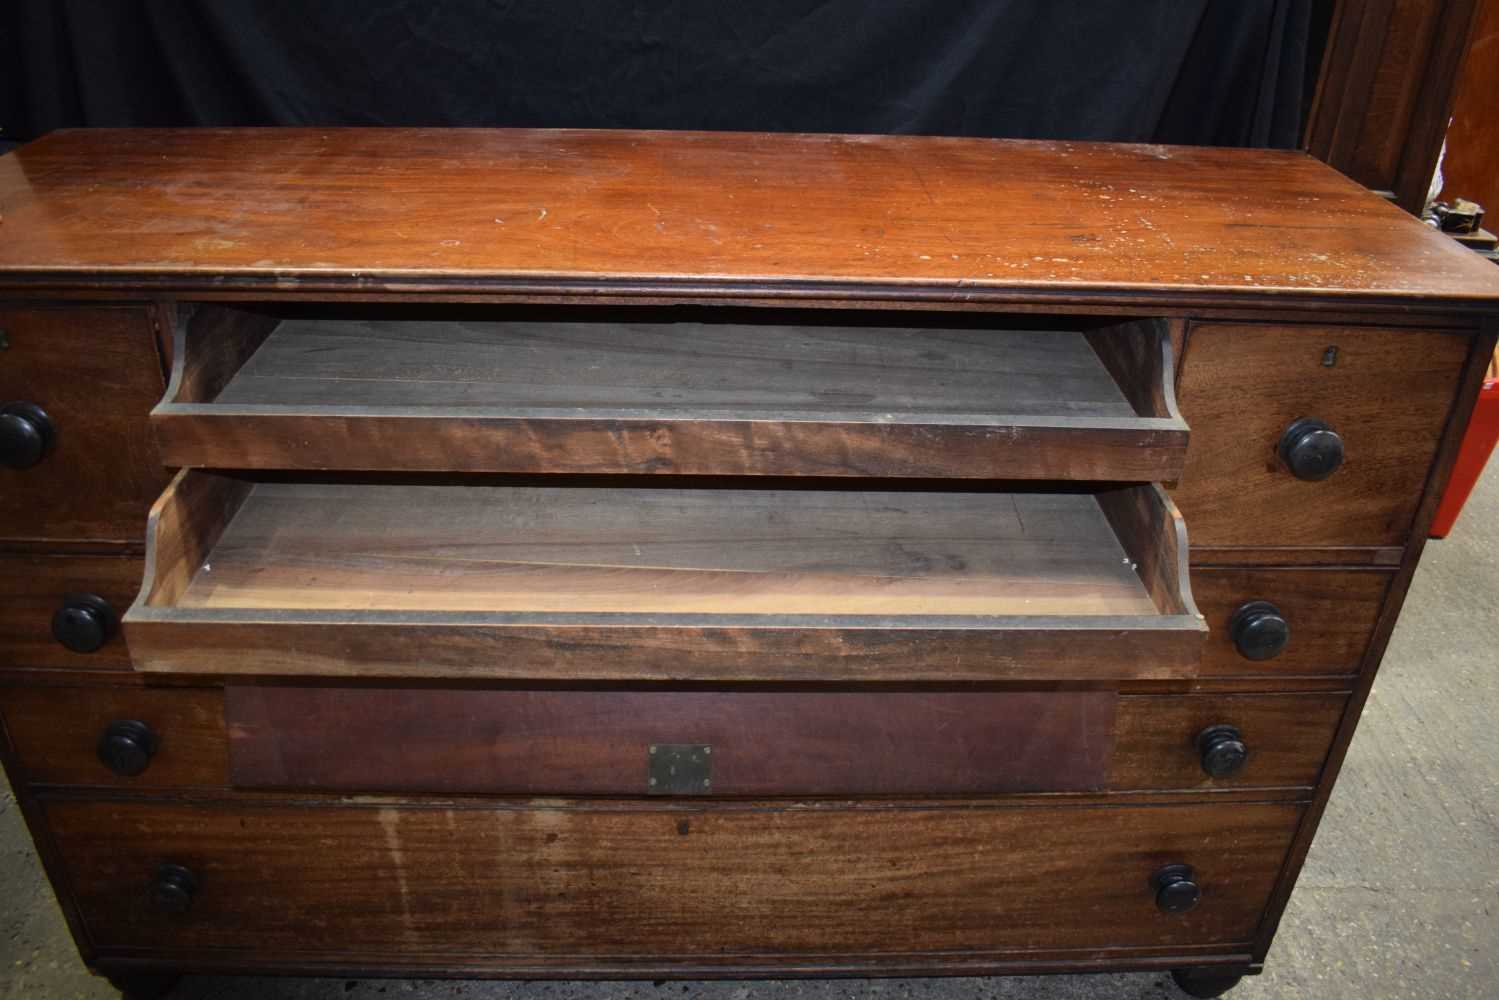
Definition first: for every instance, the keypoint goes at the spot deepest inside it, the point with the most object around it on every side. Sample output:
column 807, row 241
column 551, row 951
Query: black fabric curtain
column 1215, row 72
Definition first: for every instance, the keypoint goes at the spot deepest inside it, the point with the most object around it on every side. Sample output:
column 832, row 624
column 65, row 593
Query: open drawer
column 260, row 576
column 672, row 390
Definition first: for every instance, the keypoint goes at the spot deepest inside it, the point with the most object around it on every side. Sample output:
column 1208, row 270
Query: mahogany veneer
column 646, row 554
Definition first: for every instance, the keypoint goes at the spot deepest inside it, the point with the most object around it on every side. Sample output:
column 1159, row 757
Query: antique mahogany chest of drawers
column 532, row 553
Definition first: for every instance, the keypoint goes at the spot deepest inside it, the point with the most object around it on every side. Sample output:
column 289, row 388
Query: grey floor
column 1400, row 897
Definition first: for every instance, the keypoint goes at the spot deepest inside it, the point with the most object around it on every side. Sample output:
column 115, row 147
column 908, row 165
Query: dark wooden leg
column 1206, row 982
column 144, row 985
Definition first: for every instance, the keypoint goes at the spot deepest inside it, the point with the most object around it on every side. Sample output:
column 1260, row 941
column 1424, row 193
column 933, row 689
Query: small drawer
column 76, row 385
column 46, row 599
column 1288, row 621
column 122, row 736
column 1170, row 742
column 1379, row 398
column 720, row 881
column 691, row 392
column 267, row 577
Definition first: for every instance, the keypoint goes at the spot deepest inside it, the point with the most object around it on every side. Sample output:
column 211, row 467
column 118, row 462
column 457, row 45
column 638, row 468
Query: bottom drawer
column 614, row 882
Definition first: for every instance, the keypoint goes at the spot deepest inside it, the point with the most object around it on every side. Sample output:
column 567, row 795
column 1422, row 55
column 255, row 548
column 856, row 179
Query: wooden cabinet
column 633, row 554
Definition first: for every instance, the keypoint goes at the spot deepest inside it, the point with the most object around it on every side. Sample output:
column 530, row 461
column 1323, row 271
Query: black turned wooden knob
column 1311, row 449
column 173, row 888
column 25, row 434
column 1259, row 630
column 1175, row 892
column 1222, row 750
column 84, row 623
column 127, row 746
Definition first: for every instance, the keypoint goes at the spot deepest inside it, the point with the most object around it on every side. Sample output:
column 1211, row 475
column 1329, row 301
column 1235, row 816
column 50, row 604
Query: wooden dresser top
column 713, row 215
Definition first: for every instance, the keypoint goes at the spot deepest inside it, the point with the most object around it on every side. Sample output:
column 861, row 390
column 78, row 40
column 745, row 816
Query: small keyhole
column 1330, row 357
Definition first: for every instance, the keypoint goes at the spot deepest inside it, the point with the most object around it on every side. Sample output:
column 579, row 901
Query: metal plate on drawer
column 679, row 769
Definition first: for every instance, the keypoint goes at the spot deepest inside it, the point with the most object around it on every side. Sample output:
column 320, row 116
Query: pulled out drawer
column 692, row 392
column 530, row 882
column 258, row 577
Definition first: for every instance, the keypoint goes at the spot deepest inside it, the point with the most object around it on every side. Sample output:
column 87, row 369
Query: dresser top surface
column 712, row 214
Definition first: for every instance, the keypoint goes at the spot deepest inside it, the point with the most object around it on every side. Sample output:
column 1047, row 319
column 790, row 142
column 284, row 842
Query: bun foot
column 144, row 986
column 1205, row 982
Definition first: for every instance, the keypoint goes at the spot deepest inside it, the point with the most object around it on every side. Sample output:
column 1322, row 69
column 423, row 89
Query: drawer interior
column 701, row 380
column 648, row 581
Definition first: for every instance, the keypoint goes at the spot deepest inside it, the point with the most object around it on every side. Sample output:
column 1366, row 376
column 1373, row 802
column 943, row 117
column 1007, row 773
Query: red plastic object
column 1478, row 443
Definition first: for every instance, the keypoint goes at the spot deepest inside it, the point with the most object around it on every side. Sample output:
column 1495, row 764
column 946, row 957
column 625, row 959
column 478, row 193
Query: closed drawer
column 269, row 577
column 744, row 743
column 80, row 463
column 96, row 589
column 685, row 391
column 1386, row 393
column 448, row 741
column 1287, row 622
column 612, row 883
column 121, row 736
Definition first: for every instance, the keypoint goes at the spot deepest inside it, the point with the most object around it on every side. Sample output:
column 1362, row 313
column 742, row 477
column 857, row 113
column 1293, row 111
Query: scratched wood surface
column 380, row 207
column 479, row 548
column 636, row 880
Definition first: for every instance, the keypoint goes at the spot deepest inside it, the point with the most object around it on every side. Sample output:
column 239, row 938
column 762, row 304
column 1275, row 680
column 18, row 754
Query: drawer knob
column 84, row 623
column 25, row 434
column 1259, row 630
column 1175, row 892
column 127, row 746
column 173, row 888
column 1311, row 449
column 1223, row 750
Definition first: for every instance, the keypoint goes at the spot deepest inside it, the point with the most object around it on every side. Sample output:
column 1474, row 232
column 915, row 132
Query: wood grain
column 1388, row 395
column 1331, row 613
column 1288, row 736
column 95, row 371
column 629, row 390
column 599, row 742
column 638, row 584
column 561, row 212
column 56, row 730
column 32, row 588
column 685, row 880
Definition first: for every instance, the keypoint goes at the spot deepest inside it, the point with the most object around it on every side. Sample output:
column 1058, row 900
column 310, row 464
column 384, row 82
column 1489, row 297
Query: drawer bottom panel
column 615, row 881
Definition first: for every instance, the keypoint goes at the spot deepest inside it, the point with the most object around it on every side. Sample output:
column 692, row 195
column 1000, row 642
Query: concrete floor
column 1400, row 897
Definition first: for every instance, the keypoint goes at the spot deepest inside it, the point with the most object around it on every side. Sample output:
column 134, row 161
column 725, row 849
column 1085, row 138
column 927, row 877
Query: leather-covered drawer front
column 613, row 881
column 1386, row 392
column 742, row 743
column 34, row 587
column 95, row 374
column 57, row 734
column 1330, row 615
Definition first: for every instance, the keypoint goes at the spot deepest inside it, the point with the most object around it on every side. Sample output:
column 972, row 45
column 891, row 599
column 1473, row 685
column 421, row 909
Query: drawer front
column 1329, row 617
column 125, row 737
column 1386, row 393
column 33, row 588
column 1163, row 741
column 610, row 882
column 95, row 374
column 548, row 742
column 669, row 742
